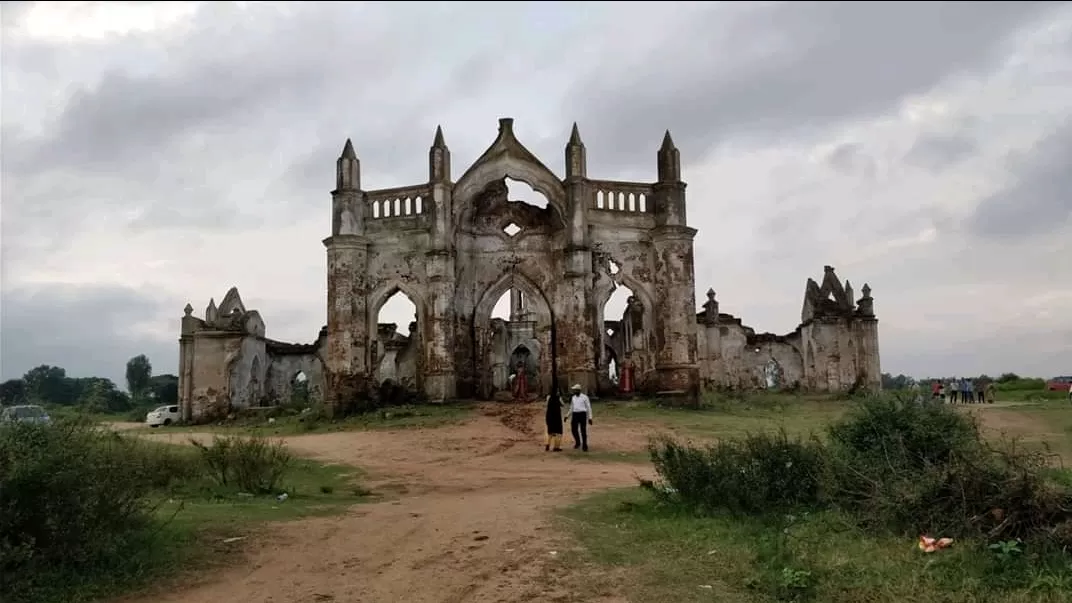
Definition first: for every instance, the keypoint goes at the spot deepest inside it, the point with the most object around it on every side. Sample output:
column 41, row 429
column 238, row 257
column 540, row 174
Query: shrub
column 899, row 466
column 73, row 498
column 255, row 464
column 926, row 468
column 756, row 474
column 904, row 434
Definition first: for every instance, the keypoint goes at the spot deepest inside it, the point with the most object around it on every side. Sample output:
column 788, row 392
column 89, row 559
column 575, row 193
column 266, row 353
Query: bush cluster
column 255, row 465
column 78, row 503
column 752, row 475
column 901, row 466
column 74, row 496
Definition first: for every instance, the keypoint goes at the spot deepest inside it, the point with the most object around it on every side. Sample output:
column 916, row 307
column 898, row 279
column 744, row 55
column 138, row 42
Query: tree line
column 50, row 385
column 1009, row 380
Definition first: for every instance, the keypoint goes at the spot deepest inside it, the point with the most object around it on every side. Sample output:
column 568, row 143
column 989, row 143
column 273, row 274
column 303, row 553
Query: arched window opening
column 299, row 388
column 513, row 306
column 773, row 375
column 398, row 311
column 518, row 191
column 615, row 307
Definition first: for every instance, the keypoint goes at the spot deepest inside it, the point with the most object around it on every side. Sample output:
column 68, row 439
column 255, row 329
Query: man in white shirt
column 580, row 418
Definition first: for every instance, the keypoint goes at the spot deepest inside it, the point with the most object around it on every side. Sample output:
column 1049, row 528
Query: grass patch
column 770, row 517
column 719, row 416
column 86, row 513
column 312, row 488
column 1044, row 425
column 667, row 554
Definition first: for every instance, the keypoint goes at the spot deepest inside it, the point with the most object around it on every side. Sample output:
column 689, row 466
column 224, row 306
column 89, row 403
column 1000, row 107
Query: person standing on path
column 580, row 418
column 553, row 418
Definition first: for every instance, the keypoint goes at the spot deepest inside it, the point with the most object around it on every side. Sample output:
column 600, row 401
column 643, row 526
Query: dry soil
column 467, row 518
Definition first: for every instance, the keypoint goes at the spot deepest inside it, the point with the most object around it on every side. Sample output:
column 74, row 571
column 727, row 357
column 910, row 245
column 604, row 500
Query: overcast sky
column 155, row 154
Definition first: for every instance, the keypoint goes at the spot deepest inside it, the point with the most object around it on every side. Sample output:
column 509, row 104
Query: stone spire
column 439, row 158
column 576, row 156
column 669, row 160
column 348, row 169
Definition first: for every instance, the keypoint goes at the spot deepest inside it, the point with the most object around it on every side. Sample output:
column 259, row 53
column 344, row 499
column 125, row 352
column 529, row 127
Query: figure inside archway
column 773, row 375
column 521, row 383
column 625, row 382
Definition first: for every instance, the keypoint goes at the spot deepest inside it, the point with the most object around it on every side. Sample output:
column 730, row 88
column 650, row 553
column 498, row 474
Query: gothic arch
column 523, row 169
column 384, row 292
column 507, row 281
column 620, row 279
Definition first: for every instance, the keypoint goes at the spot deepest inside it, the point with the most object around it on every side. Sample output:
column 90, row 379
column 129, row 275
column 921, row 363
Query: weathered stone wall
column 834, row 349
column 444, row 244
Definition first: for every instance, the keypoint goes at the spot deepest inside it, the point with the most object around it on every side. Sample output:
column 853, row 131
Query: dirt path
column 472, row 522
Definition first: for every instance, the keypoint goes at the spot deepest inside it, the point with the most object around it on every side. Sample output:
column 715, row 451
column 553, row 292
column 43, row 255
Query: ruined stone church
column 455, row 247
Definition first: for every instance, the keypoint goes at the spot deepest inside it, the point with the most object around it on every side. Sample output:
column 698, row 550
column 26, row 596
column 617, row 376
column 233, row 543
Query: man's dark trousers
column 579, row 429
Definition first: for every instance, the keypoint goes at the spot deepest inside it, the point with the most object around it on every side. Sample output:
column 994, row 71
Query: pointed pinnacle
column 575, row 135
column 668, row 143
column 439, row 142
column 348, row 150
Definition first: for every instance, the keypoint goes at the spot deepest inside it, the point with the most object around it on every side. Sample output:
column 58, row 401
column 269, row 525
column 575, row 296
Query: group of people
column 578, row 411
column 966, row 391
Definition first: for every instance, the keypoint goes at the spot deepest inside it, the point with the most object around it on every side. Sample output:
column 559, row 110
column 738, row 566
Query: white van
column 165, row 415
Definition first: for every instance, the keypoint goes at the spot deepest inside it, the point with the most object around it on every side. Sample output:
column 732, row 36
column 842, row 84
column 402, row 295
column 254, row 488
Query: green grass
column 199, row 524
column 723, row 417
column 312, row 488
column 656, row 554
column 1043, row 424
column 399, row 417
column 1030, row 395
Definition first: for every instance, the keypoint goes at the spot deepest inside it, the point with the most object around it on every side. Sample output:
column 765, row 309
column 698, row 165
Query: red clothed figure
column 521, row 383
column 625, row 379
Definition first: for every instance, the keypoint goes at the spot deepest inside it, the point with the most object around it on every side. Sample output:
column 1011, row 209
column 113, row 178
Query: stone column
column 437, row 336
column 713, row 336
column 675, row 315
column 346, row 370
column 575, row 318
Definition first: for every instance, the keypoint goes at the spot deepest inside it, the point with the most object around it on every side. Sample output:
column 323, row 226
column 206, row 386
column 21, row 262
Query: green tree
column 164, row 389
column 102, row 395
column 139, row 376
column 1007, row 377
column 50, row 385
column 12, row 392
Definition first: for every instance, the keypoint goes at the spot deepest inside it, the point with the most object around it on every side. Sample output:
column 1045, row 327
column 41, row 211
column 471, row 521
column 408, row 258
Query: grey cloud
column 1037, row 201
column 938, row 151
column 852, row 159
column 84, row 329
column 820, row 63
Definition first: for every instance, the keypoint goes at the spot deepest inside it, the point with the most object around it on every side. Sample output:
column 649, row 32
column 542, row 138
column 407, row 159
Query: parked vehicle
column 1059, row 384
column 165, row 415
column 25, row 413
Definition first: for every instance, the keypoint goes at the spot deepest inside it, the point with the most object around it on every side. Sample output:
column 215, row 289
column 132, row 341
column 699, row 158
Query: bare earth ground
column 469, row 521
column 467, row 516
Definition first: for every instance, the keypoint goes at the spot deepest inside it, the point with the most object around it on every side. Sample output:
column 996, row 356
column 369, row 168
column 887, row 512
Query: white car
column 165, row 415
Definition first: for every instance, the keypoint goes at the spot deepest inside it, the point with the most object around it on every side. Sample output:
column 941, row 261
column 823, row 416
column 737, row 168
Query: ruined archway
column 773, row 375
column 396, row 350
column 299, row 389
column 512, row 314
column 627, row 320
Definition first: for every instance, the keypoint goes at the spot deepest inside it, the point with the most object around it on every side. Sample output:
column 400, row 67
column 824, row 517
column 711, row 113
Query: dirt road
column 472, row 522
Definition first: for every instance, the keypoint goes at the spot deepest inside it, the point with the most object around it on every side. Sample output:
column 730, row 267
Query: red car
column 1059, row 384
